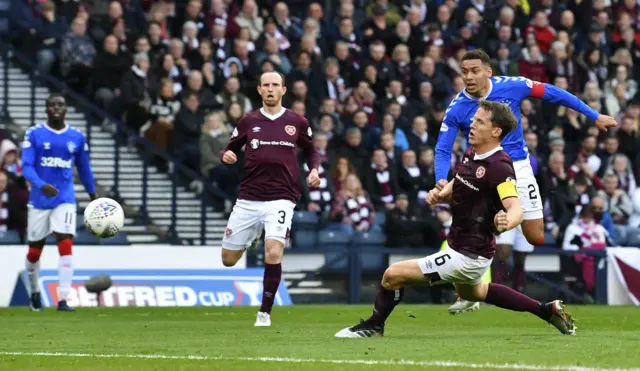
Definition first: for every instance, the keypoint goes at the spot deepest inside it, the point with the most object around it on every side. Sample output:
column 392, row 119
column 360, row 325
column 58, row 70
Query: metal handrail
column 8, row 50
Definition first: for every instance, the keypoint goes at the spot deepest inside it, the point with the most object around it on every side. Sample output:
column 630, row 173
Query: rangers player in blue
column 50, row 152
column 481, row 85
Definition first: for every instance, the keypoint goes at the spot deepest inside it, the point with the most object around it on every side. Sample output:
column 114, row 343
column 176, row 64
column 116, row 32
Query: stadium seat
column 381, row 217
column 10, row 238
column 622, row 233
column 305, row 238
column 371, row 261
column 633, row 238
column 305, row 220
column 85, row 238
column 337, row 240
column 119, row 239
column 80, row 222
column 549, row 239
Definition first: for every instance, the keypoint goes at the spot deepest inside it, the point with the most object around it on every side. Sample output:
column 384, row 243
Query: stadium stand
column 367, row 74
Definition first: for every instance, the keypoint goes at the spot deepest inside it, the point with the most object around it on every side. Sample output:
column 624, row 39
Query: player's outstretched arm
column 29, row 162
column 553, row 94
column 446, row 138
column 83, row 164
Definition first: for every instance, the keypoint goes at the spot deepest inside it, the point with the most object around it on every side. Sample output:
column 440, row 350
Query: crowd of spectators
column 373, row 78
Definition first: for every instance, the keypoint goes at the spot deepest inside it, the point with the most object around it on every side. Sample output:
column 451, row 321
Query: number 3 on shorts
column 283, row 215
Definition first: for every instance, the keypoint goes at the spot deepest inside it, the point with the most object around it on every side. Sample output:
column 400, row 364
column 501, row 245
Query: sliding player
column 50, row 151
column 482, row 189
column 481, row 85
column 269, row 189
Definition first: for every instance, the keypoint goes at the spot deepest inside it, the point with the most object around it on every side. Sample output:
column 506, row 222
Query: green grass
column 607, row 338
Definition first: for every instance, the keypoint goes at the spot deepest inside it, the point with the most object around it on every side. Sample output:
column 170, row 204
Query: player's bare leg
column 533, row 230
column 65, row 270
column 274, row 250
column 32, row 266
column 231, row 257
column 508, row 298
column 389, row 295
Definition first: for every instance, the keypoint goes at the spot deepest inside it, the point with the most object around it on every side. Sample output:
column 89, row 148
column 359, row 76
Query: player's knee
column 33, row 255
column 536, row 238
column 229, row 260
column 392, row 278
column 274, row 250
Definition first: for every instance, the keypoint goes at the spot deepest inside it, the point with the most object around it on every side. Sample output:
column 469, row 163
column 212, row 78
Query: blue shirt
column 510, row 91
column 48, row 157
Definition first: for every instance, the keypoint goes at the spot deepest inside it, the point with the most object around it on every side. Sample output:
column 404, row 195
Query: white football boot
column 263, row 320
column 461, row 306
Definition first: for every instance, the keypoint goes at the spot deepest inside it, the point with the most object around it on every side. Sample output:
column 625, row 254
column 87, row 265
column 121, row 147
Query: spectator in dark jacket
column 109, row 67
column 135, row 87
column 404, row 227
column 186, row 131
column 49, row 36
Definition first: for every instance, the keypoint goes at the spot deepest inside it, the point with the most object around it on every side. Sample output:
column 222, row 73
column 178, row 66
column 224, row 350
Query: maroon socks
column 270, row 283
column 508, row 298
column 386, row 301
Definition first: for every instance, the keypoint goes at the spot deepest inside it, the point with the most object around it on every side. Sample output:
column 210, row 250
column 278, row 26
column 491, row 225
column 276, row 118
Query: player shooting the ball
column 484, row 202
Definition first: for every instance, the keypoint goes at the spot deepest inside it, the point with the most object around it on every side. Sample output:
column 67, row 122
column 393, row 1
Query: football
column 103, row 217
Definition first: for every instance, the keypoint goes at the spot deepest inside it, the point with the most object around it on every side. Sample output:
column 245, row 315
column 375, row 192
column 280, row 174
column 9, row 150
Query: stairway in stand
column 103, row 149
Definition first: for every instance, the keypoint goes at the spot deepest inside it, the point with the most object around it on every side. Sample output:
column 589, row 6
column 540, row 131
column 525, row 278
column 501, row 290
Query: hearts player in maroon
column 269, row 189
column 484, row 202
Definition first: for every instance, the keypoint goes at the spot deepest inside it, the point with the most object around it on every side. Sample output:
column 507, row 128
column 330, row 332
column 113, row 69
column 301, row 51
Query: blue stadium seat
column 548, row 238
column 10, row 238
column 119, row 239
column 371, row 261
column 622, row 234
column 633, row 238
column 381, row 217
column 335, row 261
column 304, row 238
column 85, row 238
column 305, row 220
column 80, row 222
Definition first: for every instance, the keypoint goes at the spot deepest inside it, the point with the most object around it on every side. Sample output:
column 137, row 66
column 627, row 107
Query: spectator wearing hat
column 377, row 28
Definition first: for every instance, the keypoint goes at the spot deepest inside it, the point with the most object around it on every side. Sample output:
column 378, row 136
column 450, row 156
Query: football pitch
column 417, row 337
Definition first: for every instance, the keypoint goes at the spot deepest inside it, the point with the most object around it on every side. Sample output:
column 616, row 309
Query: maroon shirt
column 475, row 201
column 271, row 169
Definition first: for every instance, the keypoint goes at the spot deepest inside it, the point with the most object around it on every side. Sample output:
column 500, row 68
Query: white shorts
column 453, row 267
column 528, row 190
column 248, row 219
column 41, row 223
column 515, row 238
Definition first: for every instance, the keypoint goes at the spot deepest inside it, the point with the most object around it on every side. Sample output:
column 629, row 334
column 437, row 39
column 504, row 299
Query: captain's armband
column 507, row 189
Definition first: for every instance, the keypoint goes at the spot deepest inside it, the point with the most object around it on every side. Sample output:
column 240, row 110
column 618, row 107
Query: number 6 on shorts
column 436, row 267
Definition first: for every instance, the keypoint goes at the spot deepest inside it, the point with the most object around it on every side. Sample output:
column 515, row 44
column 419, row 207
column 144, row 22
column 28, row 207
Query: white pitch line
column 503, row 366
